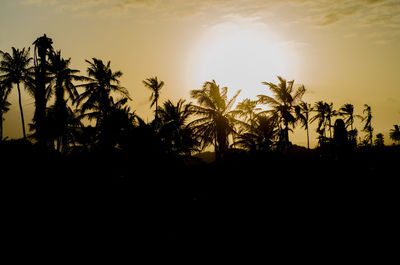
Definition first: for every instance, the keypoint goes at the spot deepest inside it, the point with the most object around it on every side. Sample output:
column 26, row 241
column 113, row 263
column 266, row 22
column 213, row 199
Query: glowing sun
column 240, row 56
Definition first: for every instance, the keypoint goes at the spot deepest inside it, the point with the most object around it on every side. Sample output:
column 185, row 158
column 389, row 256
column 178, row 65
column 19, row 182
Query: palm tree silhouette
column 283, row 101
column 247, row 110
column 259, row 134
column 395, row 134
column 97, row 95
column 174, row 132
column 15, row 69
column 214, row 125
column 43, row 48
column 368, row 123
column 5, row 90
column 303, row 111
column 155, row 86
column 62, row 77
column 347, row 112
column 320, row 115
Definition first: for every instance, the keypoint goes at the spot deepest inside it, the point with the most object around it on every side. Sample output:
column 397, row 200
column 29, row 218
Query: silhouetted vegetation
column 91, row 146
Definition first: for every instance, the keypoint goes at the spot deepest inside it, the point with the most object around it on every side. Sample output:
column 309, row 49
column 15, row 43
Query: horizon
column 342, row 52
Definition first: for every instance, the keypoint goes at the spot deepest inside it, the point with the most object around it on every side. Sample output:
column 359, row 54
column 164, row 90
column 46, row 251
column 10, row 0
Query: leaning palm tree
column 14, row 69
column 395, row 134
column 303, row 111
column 96, row 101
column 368, row 124
column 62, row 78
column 5, row 90
column 283, row 101
column 214, row 125
column 155, row 86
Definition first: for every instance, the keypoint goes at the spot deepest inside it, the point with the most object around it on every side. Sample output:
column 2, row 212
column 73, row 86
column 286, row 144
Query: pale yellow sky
column 343, row 51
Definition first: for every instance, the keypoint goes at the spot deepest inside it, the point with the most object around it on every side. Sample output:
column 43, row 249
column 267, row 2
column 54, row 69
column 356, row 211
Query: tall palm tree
column 62, row 78
column 5, row 90
column 96, row 98
column 330, row 113
column 174, row 132
column 303, row 111
column 320, row 115
column 368, row 124
column 283, row 101
column 214, row 125
column 155, row 86
column 43, row 49
column 15, row 70
column 395, row 134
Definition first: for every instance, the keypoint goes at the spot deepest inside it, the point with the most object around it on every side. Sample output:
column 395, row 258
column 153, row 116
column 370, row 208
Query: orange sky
column 343, row 51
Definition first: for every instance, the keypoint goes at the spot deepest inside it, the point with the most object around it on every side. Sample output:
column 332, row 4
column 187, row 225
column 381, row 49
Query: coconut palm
column 215, row 123
column 96, row 101
column 368, row 124
column 247, row 110
column 155, row 86
column 320, row 115
column 174, row 132
column 259, row 134
column 330, row 113
column 303, row 111
column 347, row 112
column 5, row 90
column 62, row 78
column 395, row 134
column 43, row 49
column 283, row 101
column 14, row 69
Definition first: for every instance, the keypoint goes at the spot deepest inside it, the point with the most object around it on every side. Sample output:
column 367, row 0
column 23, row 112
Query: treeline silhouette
column 89, row 149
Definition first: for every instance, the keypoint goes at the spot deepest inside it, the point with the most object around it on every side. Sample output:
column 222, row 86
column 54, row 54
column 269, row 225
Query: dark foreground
column 297, row 203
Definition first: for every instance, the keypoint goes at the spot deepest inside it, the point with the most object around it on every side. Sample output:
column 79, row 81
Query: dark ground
column 301, row 202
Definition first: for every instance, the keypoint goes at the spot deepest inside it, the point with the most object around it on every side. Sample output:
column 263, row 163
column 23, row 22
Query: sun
column 240, row 56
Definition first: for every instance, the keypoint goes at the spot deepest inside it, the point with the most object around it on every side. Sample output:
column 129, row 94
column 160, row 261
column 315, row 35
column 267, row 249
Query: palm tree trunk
column 1, row 126
column 308, row 139
column 21, row 111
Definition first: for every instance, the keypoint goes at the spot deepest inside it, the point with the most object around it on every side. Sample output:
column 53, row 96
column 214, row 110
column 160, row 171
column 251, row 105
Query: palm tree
column 330, row 113
column 215, row 124
column 5, row 90
column 155, row 86
column 347, row 112
column 62, row 77
column 97, row 95
column 320, row 115
column 174, row 132
column 43, row 49
column 395, row 134
column 283, row 101
column 247, row 109
column 259, row 134
column 368, row 124
column 15, row 69
column 303, row 111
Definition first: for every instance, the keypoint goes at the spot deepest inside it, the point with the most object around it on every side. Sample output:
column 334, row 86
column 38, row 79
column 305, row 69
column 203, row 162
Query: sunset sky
column 342, row 51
